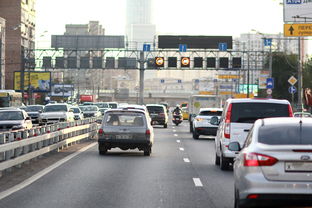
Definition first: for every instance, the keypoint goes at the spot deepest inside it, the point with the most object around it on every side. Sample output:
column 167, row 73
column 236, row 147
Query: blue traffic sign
column 270, row 83
column 267, row 41
column 292, row 89
column 222, row 46
column 196, row 80
column 182, row 47
column 179, row 81
column 146, row 47
column 162, row 81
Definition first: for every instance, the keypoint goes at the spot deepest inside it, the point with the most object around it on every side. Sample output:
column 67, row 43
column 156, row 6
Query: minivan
column 238, row 117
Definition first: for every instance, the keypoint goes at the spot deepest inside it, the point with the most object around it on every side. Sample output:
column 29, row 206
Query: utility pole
column 299, row 75
column 22, row 77
column 248, row 73
column 142, row 69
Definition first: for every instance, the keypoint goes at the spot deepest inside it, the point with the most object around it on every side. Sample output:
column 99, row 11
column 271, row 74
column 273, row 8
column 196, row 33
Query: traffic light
column 185, row 62
column 159, row 62
column 198, row 62
column 172, row 62
column 224, row 62
column 211, row 62
column 237, row 62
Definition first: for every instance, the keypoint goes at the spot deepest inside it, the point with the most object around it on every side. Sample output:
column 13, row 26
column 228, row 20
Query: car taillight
column 256, row 159
column 101, row 131
column 253, row 196
column 290, row 111
column 227, row 127
column 148, row 132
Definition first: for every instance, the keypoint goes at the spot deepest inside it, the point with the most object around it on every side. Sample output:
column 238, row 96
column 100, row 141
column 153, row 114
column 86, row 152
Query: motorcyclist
column 177, row 110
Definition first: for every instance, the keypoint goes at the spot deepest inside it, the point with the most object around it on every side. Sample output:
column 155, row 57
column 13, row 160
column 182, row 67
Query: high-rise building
column 20, row 33
column 2, row 52
column 139, row 26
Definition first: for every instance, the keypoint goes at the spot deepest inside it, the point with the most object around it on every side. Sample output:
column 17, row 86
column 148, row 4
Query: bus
column 10, row 98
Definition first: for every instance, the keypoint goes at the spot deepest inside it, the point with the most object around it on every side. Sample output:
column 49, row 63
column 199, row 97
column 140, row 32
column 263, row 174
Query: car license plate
column 124, row 136
column 298, row 166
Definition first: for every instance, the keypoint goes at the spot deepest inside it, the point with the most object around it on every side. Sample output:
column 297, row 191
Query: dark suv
column 158, row 114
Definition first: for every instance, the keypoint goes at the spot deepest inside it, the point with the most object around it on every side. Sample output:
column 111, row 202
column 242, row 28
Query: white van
column 238, row 117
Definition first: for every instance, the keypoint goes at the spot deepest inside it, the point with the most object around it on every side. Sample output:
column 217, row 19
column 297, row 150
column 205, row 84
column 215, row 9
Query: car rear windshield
column 155, row 109
column 250, row 112
column 132, row 120
column 210, row 113
column 33, row 108
column 55, row 108
column 291, row 134
column 76, row 110
column 90, row 108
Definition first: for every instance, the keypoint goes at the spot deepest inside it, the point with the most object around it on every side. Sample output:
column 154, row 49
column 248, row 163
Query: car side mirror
column 40, row 111
column 235, row 147
column 215, row 121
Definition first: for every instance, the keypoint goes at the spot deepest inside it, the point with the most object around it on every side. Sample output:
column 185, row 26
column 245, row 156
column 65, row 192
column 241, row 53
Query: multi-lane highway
column 179, row 173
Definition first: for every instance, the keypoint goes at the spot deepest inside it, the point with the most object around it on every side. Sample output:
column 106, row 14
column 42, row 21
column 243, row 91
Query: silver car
column 126, row 129
column 274, row 168
column 14, row 119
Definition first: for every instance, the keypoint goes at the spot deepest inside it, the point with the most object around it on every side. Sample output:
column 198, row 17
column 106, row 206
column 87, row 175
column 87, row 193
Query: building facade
column 2, row 53
column 20, row 34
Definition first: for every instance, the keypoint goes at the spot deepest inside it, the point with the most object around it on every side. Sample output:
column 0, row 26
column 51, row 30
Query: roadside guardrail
column 20, row 147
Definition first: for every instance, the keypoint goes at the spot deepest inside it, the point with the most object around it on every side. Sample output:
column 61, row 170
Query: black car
column 158, row 114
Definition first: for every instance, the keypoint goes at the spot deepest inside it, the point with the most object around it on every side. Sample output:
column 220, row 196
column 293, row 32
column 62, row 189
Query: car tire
column 195, row 135
column 102, row 149
column 191, row 127
column 148, row 151
column 224, row 163
column 237, row 203
column 165, row 126
column 217, row 160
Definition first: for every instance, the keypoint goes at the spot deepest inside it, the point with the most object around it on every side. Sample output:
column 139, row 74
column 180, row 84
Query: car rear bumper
column 206, row 130
column 125, row 143
column 273, row 200
column 159, row 121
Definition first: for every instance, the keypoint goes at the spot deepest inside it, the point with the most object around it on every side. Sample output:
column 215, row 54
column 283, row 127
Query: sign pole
column 141, row 78
column 299, row 75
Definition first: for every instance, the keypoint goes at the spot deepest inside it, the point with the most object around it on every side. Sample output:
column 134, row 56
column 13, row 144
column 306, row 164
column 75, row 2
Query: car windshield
column 11, row 115
column 90, row 108
column 155, row 109
column 55, row 108
column 289, row 134
column 76, row 110
column 210, row 113
column 131, row 120
column 250, row 112
column 34, row 108
column 101, row 105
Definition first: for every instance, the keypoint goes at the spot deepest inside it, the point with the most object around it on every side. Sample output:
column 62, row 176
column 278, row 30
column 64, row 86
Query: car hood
column 90, row 112
column 17, row 122
column 52, row 114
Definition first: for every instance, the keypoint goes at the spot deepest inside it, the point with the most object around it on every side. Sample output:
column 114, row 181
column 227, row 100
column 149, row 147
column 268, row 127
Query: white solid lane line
column 42, row 173
column 175, row 135
column 186, row 160
column 178, row 141
column 181, row 149
column 197, row 182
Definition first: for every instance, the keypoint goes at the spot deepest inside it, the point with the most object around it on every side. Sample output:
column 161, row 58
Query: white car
column 238, row 117
column 53, row 113
column 78, row 115
column 201, row 123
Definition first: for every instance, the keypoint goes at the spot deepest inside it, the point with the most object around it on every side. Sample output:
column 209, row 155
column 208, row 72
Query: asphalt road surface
column 179, row 173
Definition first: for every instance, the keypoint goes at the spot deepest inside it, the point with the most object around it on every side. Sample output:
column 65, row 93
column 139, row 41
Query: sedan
column 274, row 168
column 14, row 119
column 125, row 129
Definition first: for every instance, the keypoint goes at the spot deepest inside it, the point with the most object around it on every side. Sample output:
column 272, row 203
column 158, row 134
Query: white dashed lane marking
column 181, row 149
column 175, row 135
column 197, row 182
column 178, row 141
column 186, row 160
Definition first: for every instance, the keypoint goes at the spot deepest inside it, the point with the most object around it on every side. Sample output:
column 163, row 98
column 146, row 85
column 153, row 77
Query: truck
column 196, row 102
column 87, row 98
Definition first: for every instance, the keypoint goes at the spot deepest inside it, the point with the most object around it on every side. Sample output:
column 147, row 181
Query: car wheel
column 237, row 203
column 224, row 163
column 217, row 160
column 102, row 149
column 191, row 127
column 195, row 135
column 165, row 126
column 148, row 151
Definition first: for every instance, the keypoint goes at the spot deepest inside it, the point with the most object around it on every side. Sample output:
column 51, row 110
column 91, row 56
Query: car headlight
column 199, row 119
column 20, row 126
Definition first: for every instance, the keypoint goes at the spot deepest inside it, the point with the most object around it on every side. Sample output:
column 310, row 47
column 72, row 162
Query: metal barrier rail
column 20, row 147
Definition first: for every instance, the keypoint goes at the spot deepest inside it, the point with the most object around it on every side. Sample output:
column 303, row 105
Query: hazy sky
column 179, row 17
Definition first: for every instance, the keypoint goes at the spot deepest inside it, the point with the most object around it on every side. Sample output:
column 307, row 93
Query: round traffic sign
column 159, row 61
column 292, row 89
column 185, row 61
column 269, row 91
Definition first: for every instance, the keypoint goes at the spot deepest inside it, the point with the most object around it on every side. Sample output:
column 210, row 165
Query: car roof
column 11, row 109
column 35, row 105
column 124, row 111
column 156, row 105
column 284, row 120
column 257, row 100
column 210, row 109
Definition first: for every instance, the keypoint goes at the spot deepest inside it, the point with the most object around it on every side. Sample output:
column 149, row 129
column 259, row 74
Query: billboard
column 60, row 90
column 263, row 79
column 253, row 88
column 194, row 42
column 297, row 8
column 38, row 82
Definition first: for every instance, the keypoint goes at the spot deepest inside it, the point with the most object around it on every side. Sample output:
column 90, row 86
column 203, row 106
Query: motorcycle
column 177, row 118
